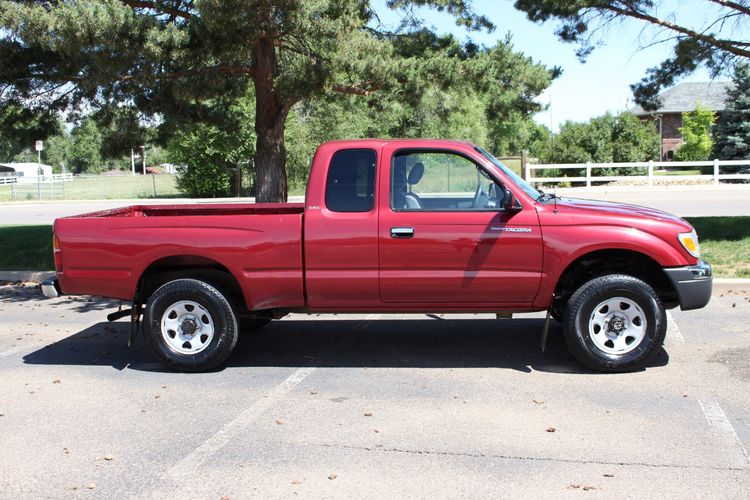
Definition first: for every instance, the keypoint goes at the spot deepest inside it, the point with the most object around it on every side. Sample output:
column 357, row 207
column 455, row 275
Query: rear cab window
column 350, row 185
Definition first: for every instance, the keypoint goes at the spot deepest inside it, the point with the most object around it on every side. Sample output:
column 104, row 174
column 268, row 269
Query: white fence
column 33, row 179
column 591, row 170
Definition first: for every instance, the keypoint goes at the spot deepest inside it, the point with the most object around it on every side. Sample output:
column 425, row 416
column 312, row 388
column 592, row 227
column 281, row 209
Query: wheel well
column 175, row 267
column 603, row 262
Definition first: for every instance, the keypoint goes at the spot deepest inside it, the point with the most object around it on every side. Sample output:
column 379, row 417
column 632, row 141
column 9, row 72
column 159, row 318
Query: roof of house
column 685, row 96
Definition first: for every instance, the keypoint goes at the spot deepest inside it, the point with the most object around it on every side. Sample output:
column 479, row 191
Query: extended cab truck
column 399, row 226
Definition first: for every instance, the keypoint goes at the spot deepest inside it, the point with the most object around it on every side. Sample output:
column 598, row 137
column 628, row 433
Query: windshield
column 510, row 173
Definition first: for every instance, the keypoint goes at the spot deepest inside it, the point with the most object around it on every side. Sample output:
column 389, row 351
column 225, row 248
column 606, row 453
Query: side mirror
column 510, row 204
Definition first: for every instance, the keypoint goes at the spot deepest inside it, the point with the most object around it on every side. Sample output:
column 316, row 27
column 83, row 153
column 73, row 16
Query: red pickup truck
column 390, row 226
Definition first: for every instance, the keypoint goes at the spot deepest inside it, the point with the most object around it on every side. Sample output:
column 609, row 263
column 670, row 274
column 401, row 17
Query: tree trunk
column 270, row 120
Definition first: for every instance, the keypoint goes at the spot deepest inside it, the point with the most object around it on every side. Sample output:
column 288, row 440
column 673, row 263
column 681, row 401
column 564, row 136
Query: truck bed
column 197, row 209
column 105, row 253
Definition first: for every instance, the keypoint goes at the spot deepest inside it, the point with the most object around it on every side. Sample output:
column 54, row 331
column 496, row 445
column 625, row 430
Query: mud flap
column 543, row 339
column 135, row 322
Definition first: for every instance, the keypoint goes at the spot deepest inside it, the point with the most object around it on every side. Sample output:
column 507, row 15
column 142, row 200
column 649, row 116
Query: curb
column 720, row 284
column 37, row 276
column 731, row 284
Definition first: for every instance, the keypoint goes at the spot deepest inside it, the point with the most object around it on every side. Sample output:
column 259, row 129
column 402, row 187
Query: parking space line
column 717, row 419
column 191, row 463
column 673, row 331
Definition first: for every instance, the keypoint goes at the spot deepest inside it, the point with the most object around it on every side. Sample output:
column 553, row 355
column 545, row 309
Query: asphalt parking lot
column 367, row 406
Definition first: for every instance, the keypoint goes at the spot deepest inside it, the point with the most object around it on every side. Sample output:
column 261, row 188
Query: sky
column 584, row 90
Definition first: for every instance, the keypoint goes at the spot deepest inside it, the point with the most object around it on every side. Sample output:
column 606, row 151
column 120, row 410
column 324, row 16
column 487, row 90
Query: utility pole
column 132, row 161
column 39, row 146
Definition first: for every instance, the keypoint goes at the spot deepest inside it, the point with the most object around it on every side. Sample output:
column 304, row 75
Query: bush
column 696, row 132
column 204, row 170
column 605, row 139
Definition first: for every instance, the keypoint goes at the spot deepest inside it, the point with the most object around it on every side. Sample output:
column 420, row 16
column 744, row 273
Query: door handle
column 402, row 232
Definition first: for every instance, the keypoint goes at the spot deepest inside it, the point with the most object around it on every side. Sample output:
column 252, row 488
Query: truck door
column 444, row 236
column 341, row 228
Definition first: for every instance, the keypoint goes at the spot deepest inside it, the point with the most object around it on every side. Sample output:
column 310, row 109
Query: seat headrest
column 416, row 173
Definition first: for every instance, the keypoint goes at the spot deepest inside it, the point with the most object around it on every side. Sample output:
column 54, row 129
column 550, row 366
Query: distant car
column 420, row 226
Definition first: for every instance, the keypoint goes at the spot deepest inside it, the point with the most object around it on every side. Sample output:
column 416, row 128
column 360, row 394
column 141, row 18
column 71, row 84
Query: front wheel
column 614, row 323
column 190, row 326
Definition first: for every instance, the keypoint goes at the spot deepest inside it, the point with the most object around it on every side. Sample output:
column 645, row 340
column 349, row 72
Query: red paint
column 307, row 257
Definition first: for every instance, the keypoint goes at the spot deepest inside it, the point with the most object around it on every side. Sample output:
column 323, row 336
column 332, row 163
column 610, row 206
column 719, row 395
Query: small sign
column 39, row 146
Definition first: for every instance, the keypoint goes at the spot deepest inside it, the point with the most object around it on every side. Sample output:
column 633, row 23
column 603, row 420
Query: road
column 685, row 201
column 681, row 200
column 369, row 407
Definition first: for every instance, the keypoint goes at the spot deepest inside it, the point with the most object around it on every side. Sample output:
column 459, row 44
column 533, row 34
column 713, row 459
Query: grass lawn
column 673, row 173
column 26, row 248
column 97, row 187
column 725, row 243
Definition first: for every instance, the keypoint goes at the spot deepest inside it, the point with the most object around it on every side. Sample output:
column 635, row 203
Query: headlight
column 689, row 241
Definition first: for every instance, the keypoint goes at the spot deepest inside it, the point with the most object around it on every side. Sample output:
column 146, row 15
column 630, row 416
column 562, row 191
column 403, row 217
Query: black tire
column 579, row 322
column 221, row 314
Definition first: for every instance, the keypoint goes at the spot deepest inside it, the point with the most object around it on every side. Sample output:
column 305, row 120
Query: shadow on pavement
column 397, row 343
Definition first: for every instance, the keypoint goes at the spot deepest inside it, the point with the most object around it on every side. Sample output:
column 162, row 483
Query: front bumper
column 50, row 288
column 693, row 284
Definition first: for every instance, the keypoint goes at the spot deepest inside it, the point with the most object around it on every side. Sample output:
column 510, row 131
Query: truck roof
column 409, row 142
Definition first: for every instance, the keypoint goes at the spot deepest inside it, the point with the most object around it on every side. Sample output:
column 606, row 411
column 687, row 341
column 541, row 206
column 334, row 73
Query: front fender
column 563, row 245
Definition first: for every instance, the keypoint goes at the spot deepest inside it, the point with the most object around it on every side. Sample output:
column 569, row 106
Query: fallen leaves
column 332, row 477
column 279, row 421
column 551, row 429
column 368, row 414
column 56, row 381
column 584, row 487
column 91, row 486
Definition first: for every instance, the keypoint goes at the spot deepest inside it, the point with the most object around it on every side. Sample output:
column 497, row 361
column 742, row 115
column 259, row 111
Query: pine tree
column 733, row 131
column 695, row 40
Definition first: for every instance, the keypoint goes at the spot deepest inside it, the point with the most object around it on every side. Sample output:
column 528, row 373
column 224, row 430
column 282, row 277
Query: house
column 680, row 99
column 26, row 172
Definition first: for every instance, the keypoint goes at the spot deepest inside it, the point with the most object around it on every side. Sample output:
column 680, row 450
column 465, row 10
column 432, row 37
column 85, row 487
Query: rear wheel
column 614, row 323
column 190, row 325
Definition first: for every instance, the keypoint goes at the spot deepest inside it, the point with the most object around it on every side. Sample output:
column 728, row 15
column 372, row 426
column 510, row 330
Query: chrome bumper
column 693, row 284
column 50, row 288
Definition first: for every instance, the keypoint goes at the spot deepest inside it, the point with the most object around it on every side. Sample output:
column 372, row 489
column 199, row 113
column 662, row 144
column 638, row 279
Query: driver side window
column 441, row 181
